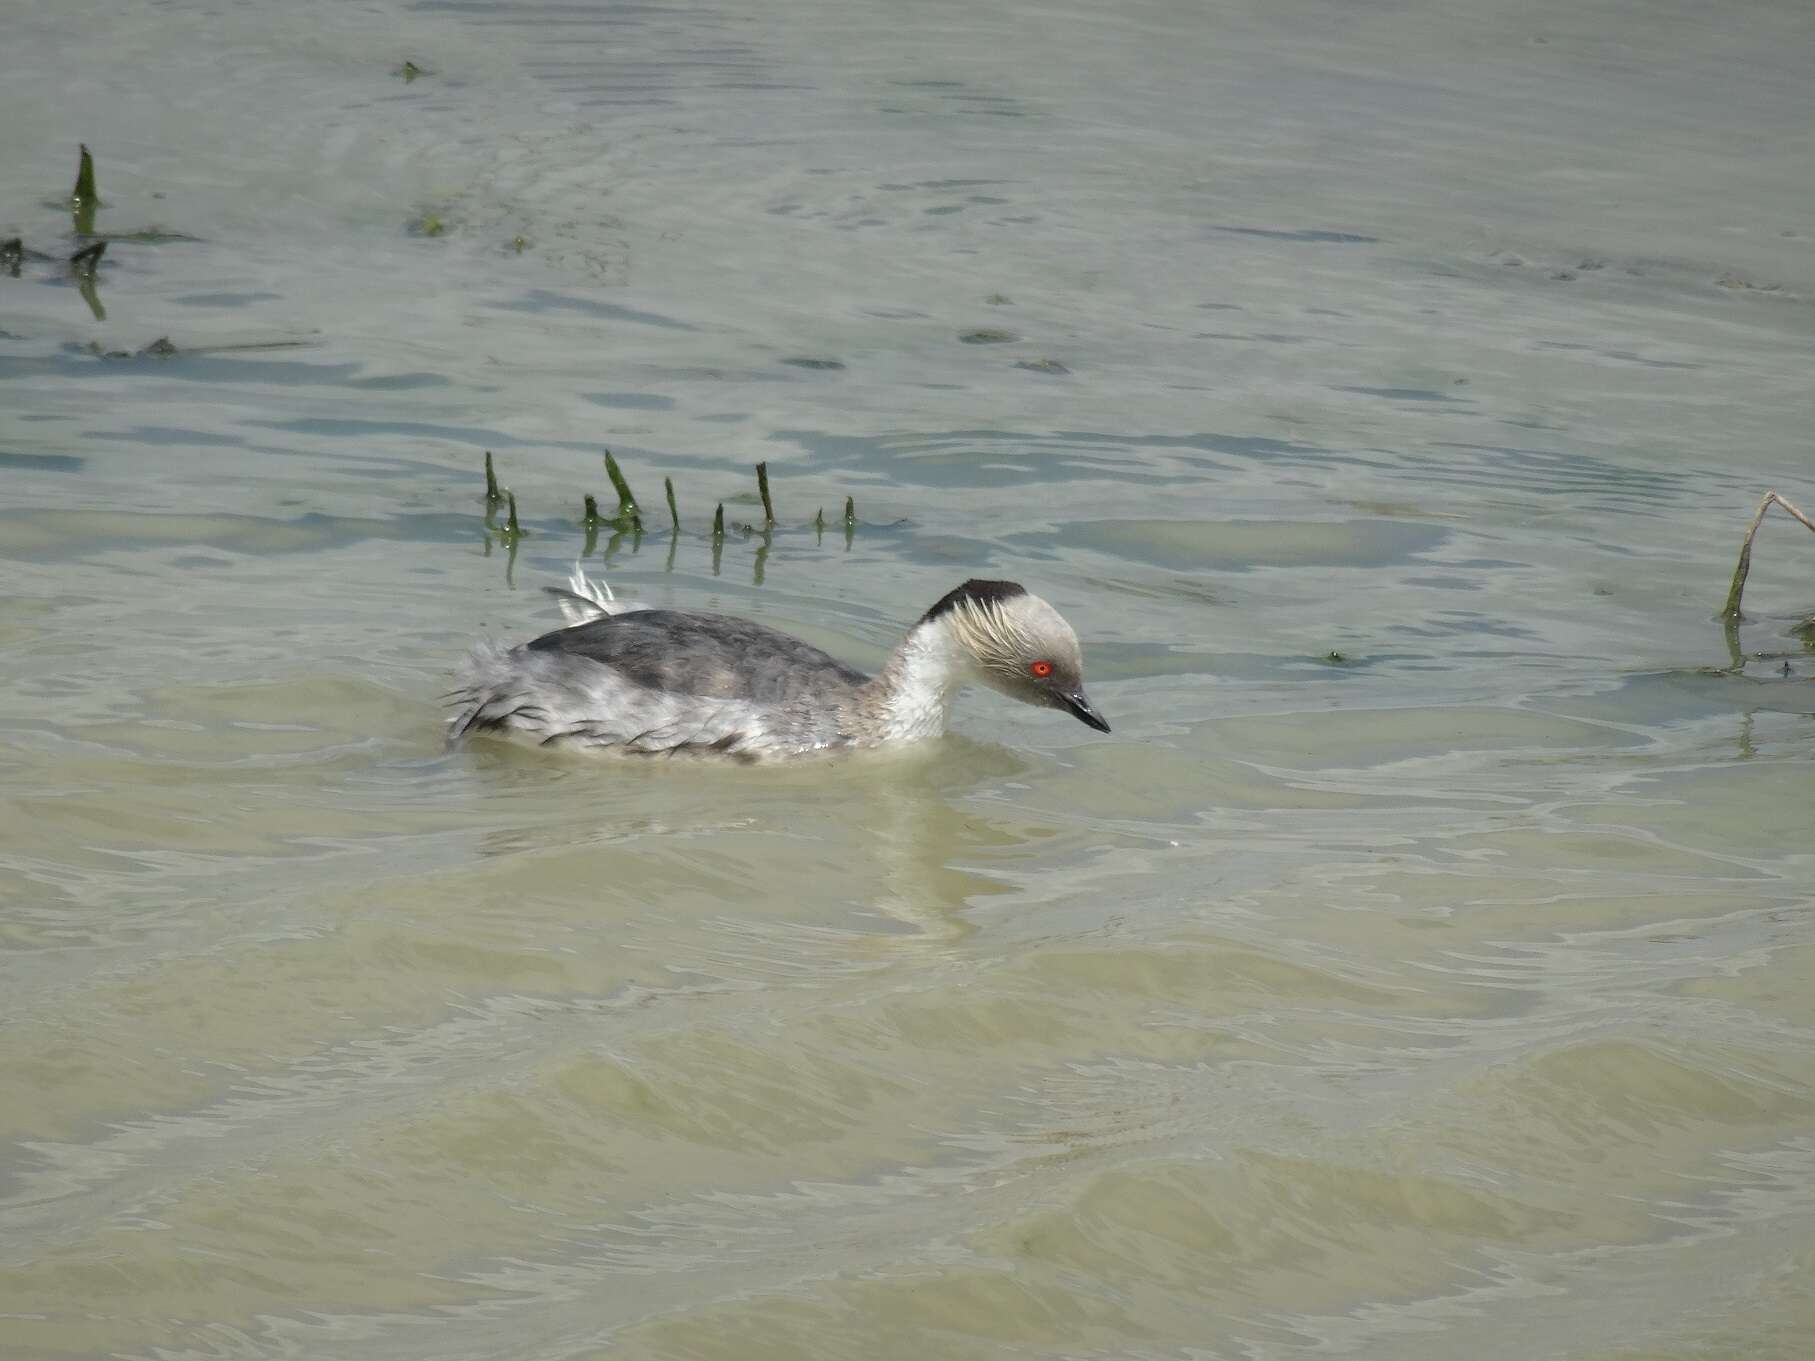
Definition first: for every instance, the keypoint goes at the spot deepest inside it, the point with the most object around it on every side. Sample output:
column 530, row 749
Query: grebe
column 626, row 677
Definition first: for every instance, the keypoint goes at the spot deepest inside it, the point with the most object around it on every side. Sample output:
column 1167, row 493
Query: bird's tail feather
column 584, row 599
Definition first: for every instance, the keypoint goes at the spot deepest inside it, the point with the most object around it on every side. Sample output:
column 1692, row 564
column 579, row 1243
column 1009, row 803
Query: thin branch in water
column 1731, row 610
column 673, row 514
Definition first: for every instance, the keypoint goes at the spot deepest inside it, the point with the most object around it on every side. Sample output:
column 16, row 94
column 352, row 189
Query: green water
column 1446, row 996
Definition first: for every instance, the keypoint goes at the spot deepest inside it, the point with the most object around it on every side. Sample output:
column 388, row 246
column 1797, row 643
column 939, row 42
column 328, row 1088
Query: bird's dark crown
column 976, row 591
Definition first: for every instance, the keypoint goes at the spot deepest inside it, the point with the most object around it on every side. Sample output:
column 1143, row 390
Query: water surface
column 1423, row 966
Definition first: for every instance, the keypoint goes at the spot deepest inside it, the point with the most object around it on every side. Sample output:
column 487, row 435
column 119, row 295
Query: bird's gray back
column 682, row 652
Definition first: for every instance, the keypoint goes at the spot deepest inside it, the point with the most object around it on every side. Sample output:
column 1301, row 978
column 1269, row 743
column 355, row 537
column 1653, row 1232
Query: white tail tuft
column 585, row 599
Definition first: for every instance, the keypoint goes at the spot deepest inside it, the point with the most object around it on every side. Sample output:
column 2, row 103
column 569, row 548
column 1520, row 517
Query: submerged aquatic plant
column 145, row 236
column 1730, row 615
column 1730, row 611
column 627, row 520
column 82, row 264
column 85, row 260
column 84, row 199
column 84, row 192
column 628, row 512
column 762, row 487
column 590, row 520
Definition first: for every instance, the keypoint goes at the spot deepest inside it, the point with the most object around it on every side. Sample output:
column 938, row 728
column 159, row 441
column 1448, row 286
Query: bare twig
column 1731, row 610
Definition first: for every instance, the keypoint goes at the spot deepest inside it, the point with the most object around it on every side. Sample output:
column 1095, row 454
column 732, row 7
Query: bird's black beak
column 1081, row 708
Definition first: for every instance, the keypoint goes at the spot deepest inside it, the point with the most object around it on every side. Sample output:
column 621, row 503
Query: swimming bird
column 629, row 678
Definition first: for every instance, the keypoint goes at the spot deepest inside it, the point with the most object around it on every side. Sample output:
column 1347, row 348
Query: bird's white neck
column 913, row 693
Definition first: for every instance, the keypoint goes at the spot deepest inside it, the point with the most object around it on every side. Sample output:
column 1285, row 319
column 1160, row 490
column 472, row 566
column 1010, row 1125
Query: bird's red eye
column 1041, row 669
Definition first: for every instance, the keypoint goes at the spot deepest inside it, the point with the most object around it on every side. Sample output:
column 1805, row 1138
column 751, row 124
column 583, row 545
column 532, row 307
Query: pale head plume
column 1003, row 634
